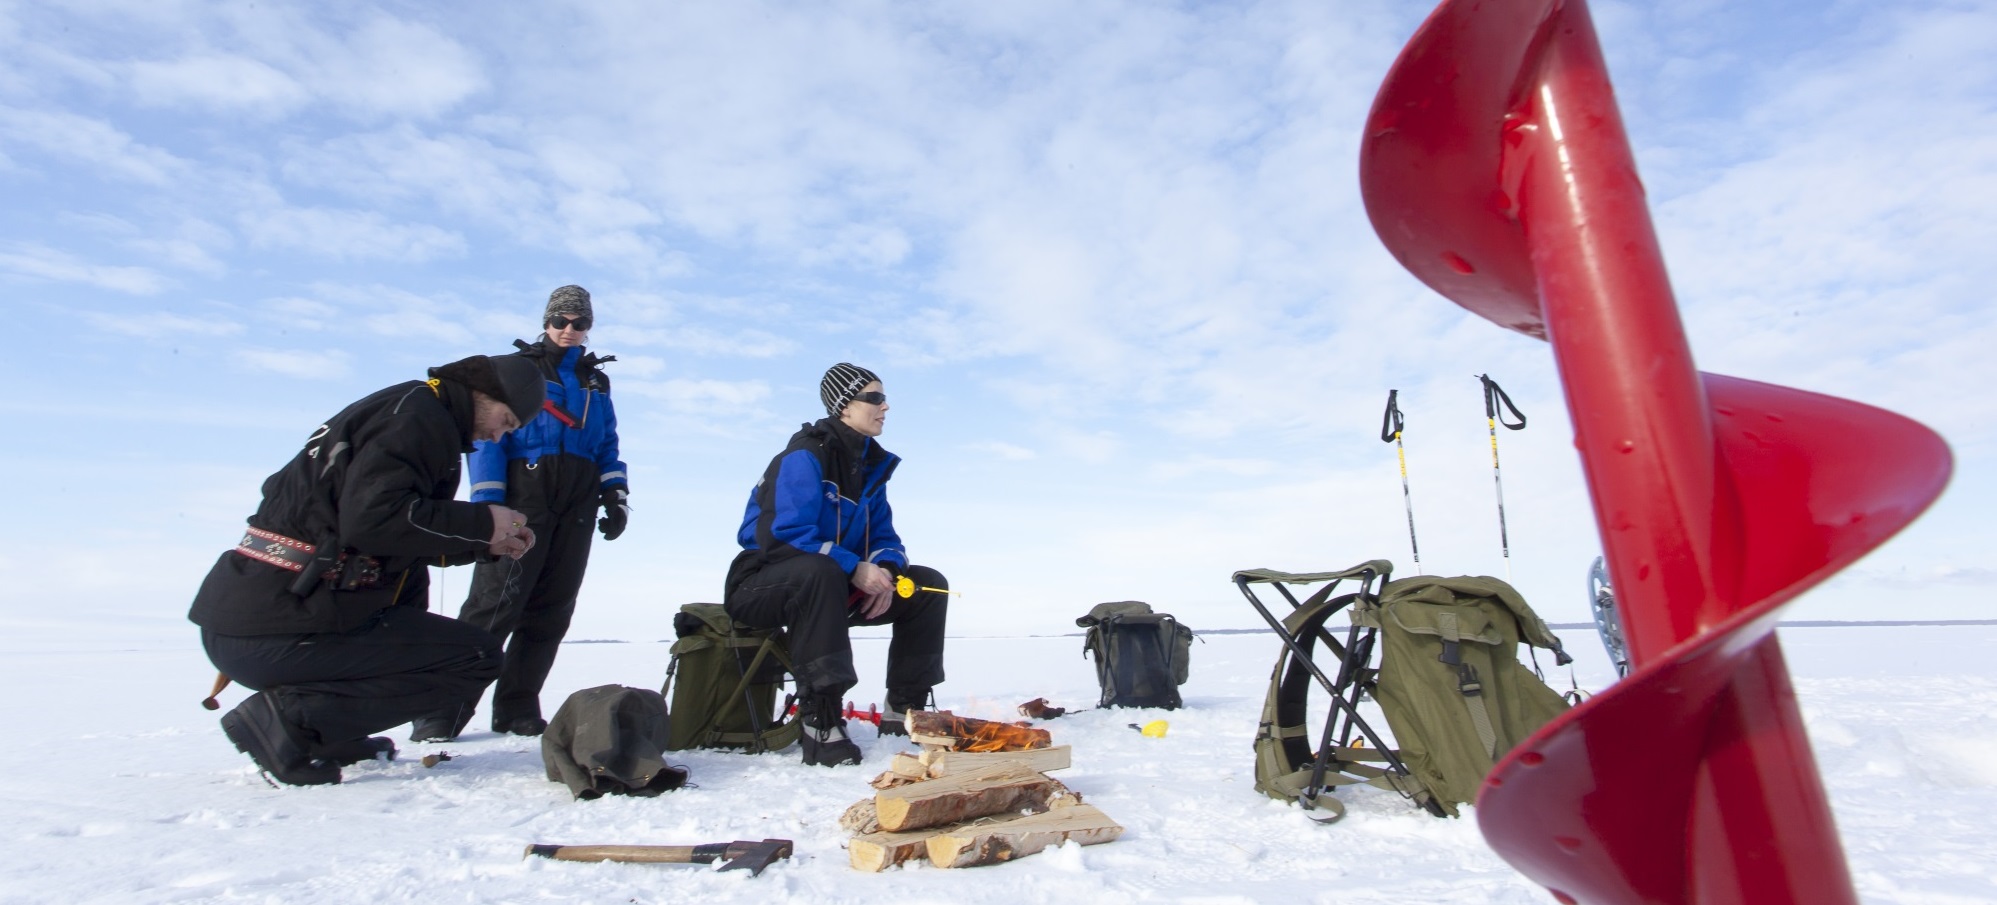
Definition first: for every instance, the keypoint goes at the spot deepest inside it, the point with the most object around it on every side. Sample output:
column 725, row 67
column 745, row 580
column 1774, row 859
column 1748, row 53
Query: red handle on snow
column 1496, row 169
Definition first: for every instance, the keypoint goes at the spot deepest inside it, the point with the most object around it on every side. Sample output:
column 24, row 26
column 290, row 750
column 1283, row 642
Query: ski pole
column 1494, row 416
column 1390, row 432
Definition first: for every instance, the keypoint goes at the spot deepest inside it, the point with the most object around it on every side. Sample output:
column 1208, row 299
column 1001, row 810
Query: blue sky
column 1109, row 259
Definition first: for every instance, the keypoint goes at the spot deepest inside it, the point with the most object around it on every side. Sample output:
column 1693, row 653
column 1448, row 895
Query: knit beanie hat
column 571, row 301
column 510, row 379
column 841, row 383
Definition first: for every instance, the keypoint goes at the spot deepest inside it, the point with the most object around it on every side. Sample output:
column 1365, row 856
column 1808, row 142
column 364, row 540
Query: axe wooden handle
column 654, row 854
column 646, row 854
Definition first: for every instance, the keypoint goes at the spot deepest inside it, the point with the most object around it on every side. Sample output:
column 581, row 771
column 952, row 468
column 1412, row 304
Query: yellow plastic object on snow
column 1153, row 729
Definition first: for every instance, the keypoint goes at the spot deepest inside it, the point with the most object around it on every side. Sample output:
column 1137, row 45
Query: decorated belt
column 293, row 555
column 271, row 547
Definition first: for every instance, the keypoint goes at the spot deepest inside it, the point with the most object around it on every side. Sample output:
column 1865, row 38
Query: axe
column 739, row 854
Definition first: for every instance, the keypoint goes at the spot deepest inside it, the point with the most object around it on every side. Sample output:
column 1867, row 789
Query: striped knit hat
column 842, row 382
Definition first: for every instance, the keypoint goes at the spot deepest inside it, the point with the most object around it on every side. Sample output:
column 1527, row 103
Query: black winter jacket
column 378, row 480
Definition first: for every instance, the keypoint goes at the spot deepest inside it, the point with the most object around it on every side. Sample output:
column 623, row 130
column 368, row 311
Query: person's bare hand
column 878, row 585
column 510, row 535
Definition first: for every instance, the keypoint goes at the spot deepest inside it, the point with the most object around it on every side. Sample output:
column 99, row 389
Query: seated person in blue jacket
column 820, row 554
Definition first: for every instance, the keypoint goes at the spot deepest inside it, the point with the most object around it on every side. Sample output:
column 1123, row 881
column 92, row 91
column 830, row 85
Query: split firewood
column 860, row 818
column 992, row 843
column 878, row 851
column 890, row 779
column 909, row 765
column 964, row 796
column 963, row 733
column 944, row 762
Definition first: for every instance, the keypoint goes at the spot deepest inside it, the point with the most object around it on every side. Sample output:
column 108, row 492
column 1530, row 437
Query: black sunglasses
column 562, row 323
column 874, row 398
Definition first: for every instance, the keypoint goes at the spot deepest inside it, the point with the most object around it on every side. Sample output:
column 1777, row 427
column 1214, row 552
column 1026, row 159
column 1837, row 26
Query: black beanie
column 841, row 383
column 510, row 379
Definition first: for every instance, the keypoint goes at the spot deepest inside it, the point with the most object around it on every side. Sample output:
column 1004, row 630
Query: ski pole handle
column 1494, row 396
column 1390, row 423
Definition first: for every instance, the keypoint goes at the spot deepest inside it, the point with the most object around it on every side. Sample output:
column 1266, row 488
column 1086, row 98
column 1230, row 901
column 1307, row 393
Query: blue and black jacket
column 566, row 456
column 826, row 493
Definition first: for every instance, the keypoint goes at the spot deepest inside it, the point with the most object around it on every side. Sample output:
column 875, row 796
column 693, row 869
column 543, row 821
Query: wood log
column 972, row 734
column 875, row 852
column 992, row 843
column 944, row 762
column 965, row 796
column 860, row 818
column 909, row 765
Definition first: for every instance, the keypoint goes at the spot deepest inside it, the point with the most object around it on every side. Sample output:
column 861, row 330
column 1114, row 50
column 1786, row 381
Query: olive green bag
column 723, row 683
column 1449, row 682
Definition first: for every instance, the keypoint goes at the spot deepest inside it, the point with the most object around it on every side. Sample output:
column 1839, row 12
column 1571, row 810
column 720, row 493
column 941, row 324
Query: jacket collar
column 457, row 399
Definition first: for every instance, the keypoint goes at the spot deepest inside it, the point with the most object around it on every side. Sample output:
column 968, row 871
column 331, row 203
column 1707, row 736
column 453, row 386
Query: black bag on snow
column 610, row 739
column 1141, row 657
column 724, row 680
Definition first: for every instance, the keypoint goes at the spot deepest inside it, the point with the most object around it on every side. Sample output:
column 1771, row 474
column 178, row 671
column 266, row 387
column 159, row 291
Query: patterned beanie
column 570, row 301
column 842, row 382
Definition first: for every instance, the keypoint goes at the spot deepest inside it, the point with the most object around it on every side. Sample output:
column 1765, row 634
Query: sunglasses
column 562, row 323
column 874, row 398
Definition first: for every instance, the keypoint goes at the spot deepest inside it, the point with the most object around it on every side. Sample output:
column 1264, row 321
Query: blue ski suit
column 819, row 511
column 555, row 470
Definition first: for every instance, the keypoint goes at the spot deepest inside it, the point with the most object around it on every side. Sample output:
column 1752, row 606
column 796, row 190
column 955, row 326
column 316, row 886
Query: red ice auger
column 1495, row 168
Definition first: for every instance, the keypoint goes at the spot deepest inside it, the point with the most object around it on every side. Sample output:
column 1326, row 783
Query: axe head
column 754, row 856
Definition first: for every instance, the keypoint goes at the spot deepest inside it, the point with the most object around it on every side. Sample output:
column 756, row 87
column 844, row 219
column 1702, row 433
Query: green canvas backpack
column 1449, row 682
column 723, row 682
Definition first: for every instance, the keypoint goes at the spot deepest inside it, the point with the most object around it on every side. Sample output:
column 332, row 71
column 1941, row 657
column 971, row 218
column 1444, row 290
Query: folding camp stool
column 1335, row 761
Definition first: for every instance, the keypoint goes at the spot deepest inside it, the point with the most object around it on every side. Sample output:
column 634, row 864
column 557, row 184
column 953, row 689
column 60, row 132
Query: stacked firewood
column 978, row 793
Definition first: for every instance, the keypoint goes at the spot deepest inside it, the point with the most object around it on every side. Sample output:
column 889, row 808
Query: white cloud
column 162, row 323
column 39, row 262
column 701, row 396
column 105, row 148
column 317, row 365
column 1001, row 450
column 349, row 234
column 219, row 81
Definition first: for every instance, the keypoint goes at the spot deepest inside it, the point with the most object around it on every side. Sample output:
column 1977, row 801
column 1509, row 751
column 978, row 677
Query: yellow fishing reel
column 904, row 587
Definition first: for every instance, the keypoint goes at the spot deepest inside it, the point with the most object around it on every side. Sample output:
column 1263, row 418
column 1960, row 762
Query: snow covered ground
column 116, row 787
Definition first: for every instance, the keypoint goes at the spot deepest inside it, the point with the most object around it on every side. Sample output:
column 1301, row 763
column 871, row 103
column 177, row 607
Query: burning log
column 962, row 733
column 992, row 843
column 964, row 796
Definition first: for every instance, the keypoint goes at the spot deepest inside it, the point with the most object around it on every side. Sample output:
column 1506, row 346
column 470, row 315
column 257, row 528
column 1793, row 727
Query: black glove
column 615, row 513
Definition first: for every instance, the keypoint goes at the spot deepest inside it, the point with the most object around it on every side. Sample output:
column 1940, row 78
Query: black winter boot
column 529, row 726
column 894, row 719
column 824, row 737
column 259, row 729
column 349, row 753
column 442, row 726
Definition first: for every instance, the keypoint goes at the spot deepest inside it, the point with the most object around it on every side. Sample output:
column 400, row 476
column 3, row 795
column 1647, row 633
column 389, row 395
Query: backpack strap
column 1467, row 683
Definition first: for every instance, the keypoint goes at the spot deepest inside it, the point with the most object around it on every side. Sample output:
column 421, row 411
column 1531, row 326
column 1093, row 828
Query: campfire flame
column 983, row 735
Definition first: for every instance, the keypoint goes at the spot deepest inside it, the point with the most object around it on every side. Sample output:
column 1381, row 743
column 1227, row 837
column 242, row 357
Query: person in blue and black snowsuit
column 820, row 554
column 559, row 469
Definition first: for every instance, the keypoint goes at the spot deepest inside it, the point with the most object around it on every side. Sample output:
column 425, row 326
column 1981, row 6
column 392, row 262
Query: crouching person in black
column 820, row 554
column 322, row 607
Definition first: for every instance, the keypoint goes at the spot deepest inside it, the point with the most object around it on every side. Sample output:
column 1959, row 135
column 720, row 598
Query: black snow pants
column 811, row 597
column 341, row 686
column 528, row 602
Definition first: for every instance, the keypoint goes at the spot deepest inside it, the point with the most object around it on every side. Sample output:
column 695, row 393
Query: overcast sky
column 1109, row 259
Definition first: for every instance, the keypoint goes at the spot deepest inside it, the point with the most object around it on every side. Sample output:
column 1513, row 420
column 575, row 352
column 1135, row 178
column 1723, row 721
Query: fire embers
column 941, row 727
